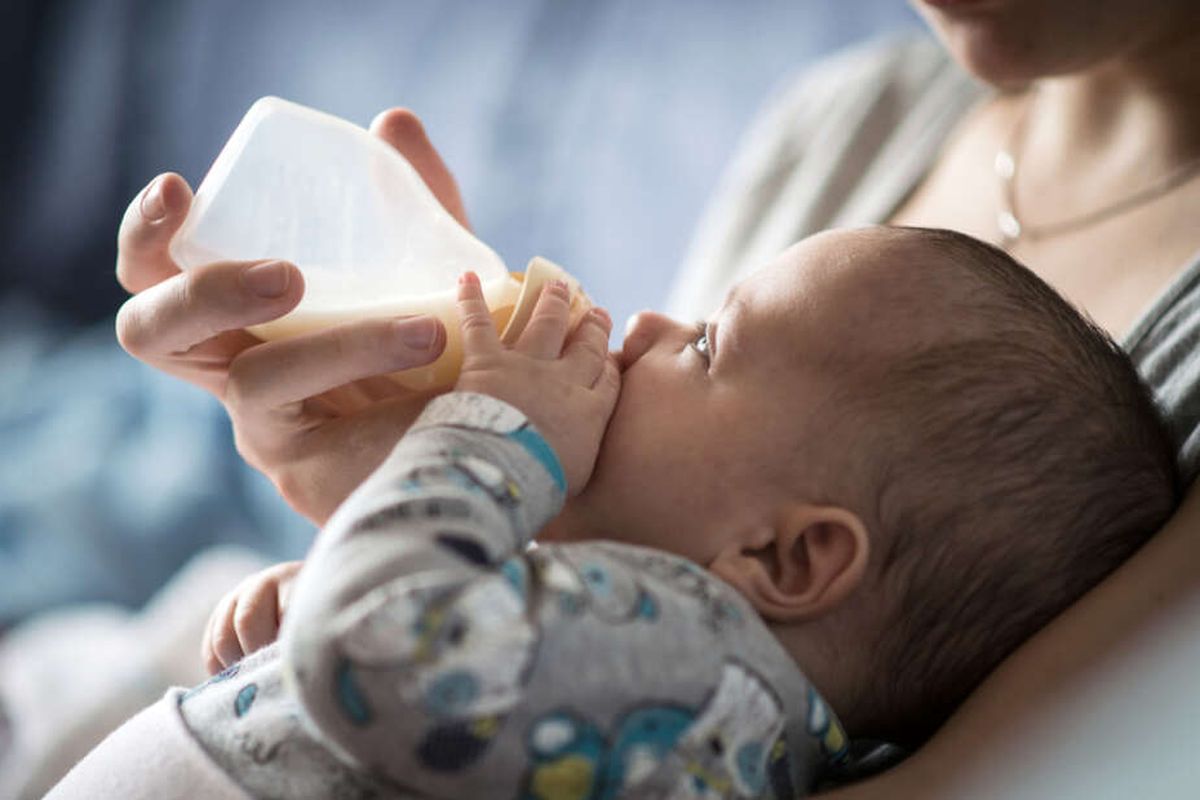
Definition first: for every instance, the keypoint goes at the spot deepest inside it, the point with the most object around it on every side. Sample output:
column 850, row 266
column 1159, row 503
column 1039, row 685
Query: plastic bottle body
column 354, row 216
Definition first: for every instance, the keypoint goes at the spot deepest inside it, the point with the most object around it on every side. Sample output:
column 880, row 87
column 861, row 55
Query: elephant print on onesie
column 730, row 750
column 460, row 654
column 823, row 727
column 250, row 722
column 585, row 579
column 717, row 612
column 572, row 759
column 731, row 747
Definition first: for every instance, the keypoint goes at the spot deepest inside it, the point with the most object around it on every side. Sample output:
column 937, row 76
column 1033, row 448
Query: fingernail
column 154, row 207
column 418, row 333
column 267, row 280
column 468, row 277
column 560, row 286
column 601, row 316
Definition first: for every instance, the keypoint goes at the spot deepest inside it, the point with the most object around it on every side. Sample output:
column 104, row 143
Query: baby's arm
column 248, row 617
column 409, row 635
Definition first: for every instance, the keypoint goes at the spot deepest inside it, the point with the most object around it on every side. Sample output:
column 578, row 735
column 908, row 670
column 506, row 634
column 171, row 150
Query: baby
column 828, row 511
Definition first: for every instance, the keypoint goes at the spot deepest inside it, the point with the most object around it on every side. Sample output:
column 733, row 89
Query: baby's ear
column 805, row 566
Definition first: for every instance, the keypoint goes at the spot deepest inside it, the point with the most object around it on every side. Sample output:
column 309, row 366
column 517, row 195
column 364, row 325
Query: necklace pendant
column 1005, row 165
column 1010, row 227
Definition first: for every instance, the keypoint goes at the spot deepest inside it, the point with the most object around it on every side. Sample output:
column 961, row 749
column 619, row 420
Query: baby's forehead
column 857, row 282
column 853, row 260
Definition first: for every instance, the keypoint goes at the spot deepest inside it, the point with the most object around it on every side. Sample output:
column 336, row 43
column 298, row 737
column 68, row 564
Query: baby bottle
column 353, row 215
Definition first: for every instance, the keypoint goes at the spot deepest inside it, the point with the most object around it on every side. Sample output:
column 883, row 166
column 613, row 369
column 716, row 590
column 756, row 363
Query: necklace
column 1012, row 228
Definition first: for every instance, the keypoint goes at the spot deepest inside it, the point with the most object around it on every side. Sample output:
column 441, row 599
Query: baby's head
column 902, row 447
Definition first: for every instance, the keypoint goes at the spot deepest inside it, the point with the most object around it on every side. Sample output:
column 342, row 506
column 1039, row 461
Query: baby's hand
column 248, row 618
column 566, row 385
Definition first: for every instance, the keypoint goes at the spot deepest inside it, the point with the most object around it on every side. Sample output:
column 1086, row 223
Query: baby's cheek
column 613, row 448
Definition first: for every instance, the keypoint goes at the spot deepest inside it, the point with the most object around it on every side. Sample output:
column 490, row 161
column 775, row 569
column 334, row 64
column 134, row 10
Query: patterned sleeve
column 429, row 646
column 415, row 578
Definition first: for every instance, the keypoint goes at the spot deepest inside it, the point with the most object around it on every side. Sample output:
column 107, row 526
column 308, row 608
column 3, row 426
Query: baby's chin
column 559, row 529
column 574, row 523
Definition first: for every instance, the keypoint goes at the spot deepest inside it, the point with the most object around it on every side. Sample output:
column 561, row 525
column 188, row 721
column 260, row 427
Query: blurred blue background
column 588, row 131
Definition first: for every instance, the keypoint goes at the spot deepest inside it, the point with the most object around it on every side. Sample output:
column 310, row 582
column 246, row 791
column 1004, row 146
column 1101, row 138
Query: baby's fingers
column 256, row 615
column 547, row 328
column 608, row 385
column 220, row 647
column 587, row 348
column 479, row 334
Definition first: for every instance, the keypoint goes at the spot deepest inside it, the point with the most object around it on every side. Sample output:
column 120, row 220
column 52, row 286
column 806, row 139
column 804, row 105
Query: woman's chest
column 1112, row 268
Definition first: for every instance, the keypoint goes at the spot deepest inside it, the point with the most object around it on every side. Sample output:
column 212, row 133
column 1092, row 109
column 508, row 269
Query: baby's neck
column 835, row 670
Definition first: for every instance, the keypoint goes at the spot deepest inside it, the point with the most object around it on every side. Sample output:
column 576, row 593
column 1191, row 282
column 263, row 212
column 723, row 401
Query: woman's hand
column 566, row 384
column 313, row 412
column 248, row 618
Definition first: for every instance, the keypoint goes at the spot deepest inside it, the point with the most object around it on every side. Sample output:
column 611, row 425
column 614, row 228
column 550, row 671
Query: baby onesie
column 430, row 651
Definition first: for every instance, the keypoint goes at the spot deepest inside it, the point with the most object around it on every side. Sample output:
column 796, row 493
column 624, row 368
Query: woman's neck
column 1132, row 118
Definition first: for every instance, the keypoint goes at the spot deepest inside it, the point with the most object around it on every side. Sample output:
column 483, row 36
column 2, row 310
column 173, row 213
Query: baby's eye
column 700, row 341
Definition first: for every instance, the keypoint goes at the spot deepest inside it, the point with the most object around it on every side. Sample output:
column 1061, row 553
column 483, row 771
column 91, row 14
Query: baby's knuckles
column 225, row 645
column 253, row 608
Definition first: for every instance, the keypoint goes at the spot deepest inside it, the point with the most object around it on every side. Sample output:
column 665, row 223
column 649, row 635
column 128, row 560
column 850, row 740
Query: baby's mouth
column 619, row 355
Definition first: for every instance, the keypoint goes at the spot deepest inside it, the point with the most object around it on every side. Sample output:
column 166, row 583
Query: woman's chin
column 1004, row 61
column 1011, row 44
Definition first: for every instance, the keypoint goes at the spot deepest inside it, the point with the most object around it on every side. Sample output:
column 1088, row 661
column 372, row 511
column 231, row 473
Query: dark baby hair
column 1022, row 460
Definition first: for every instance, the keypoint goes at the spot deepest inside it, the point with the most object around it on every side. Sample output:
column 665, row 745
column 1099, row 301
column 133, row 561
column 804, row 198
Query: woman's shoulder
column 1165, row 348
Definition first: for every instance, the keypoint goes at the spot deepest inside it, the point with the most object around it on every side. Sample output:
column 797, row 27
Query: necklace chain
column 1012, row 228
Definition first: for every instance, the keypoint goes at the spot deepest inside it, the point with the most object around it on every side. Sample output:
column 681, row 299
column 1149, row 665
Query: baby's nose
column 641, row 332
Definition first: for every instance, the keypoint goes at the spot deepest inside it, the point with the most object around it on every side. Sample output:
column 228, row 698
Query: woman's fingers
column 479, row 334
column 400, row 128
column 546, row 330
column 146, row 230
column 177, row 314
column 277, row 373
column 587, row 347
